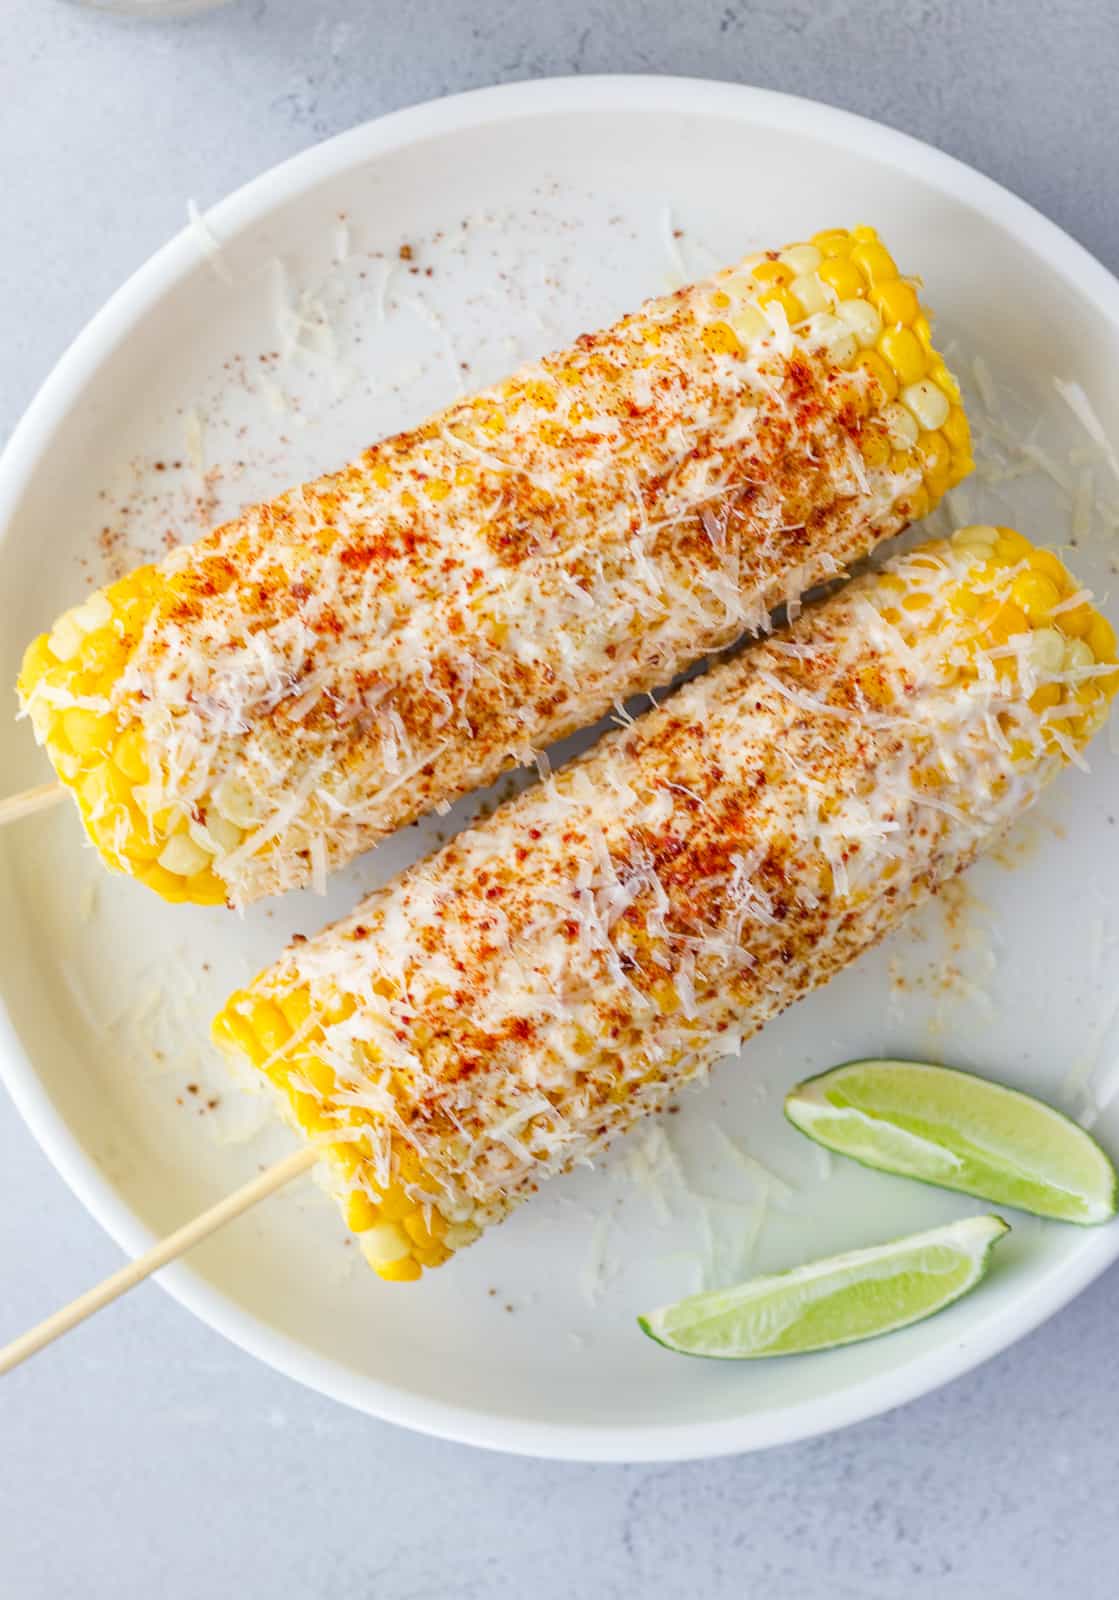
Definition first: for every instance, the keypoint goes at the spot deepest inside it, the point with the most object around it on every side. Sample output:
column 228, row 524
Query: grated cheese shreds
column 507, row 1007
column 483, row 585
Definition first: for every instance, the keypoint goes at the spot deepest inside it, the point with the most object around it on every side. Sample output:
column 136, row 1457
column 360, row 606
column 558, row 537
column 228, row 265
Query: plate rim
column 170, row 265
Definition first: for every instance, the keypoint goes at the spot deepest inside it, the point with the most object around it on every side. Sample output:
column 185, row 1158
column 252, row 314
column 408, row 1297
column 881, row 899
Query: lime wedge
column 832, row 1302
column 959, row 1131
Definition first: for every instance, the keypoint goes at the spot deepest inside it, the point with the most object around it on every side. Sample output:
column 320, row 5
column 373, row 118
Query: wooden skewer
column 30, row 801
column 176, row 1244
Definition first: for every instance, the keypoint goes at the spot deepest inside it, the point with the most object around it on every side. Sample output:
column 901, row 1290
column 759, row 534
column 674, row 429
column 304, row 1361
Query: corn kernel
column 777, row 273
column 271, row 1027
column 956, row 430
column 1011, row 547
column 788, row 302
column 1046, row 562
column 1036, row 594
column 832, row 242
column 871, row 362
column 361, row 1213
column 131, row 756
column 1045, row 697
column 860, row 317
column 406, row 1270
column 811, row 294
column 437, row 488
column 901, row 426
column 721, row 339
column 1001, row 621
column 874, row 261
column 927, row 403
column 1077, row 620
column 802, row 258
column 845, row 279
column 89, row 733
column 896, row 301
column 1100, row 638
column 395, row 1204
column 875, row 447
column 862, row 232
column 901, row 349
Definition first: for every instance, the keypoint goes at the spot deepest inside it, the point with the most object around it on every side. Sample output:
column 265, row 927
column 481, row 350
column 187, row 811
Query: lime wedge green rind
column 958, row 1131
column 837, row 1301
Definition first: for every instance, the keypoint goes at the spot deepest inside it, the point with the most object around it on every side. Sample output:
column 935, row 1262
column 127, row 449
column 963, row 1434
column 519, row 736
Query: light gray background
column 145, row 1457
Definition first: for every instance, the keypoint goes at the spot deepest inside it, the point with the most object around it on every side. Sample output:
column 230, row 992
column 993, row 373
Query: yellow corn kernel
column 89, row 732
column 169, row 885
column 1036, row 595
column 1076, row 621
column 721, row 339
column 832, row 242
column 382, row 477
column 902, row 350
column 773, row 272
column 1052, row 566
column 965, row 601
column 943, row 379
column 934, row 454
column 406, row 1270
column 317, row 1073
column 1045, row 697
column 1011, row 547
column 437, row 488
column 871, row 362
column 231, row 1028
column 956, row 430
column 395, row 1204
column 874, row 261
column 296, row 1006
column 419, row 1232
column 1002, row 621
column 875, row 447
column 923, row 330
column 433, row 1256
column 1100, row 638
column 897, row 301
column 840, row 275
column 863, row 233
column 920, row 504
column 130, row 754
column 361, row 1213
column 786, row 299
column 270, row 1026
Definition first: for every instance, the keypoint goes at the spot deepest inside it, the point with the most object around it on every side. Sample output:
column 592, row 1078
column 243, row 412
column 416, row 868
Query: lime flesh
column 958, row 1131
column 833, row 1302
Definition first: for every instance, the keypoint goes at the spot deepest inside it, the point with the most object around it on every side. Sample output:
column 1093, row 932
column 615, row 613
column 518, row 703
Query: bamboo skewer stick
column 30, row 801
column 169, row 1249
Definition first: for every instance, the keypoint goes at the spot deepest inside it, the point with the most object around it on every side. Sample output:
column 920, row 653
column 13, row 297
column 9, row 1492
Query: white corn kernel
column 1047, row 651
column 460, row 1234
column 976, row 533
column 835, row 336
column 928, row 403
column 862, row 319
column 236, row 801
column 748, row 322
column 801, row 258
column 65, row 638
column 225, row 834
column 901, row 426
column 94, row 613
column 1076, row 655
column 384, row 1243
column 181, row 855
column 811, row 293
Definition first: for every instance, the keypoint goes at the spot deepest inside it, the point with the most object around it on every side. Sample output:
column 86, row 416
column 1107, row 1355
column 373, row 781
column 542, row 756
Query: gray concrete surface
column 145, row 1457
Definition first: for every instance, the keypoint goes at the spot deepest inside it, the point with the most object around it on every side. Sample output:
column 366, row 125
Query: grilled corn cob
column 506, row 1007
column 270, row 701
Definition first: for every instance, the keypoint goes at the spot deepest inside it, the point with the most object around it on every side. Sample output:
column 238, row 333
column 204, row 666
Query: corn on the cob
column 272, row 700
column 509, row 1005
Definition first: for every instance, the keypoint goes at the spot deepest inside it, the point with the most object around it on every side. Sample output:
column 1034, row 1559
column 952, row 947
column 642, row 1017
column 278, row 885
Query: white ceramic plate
column 539, row 209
